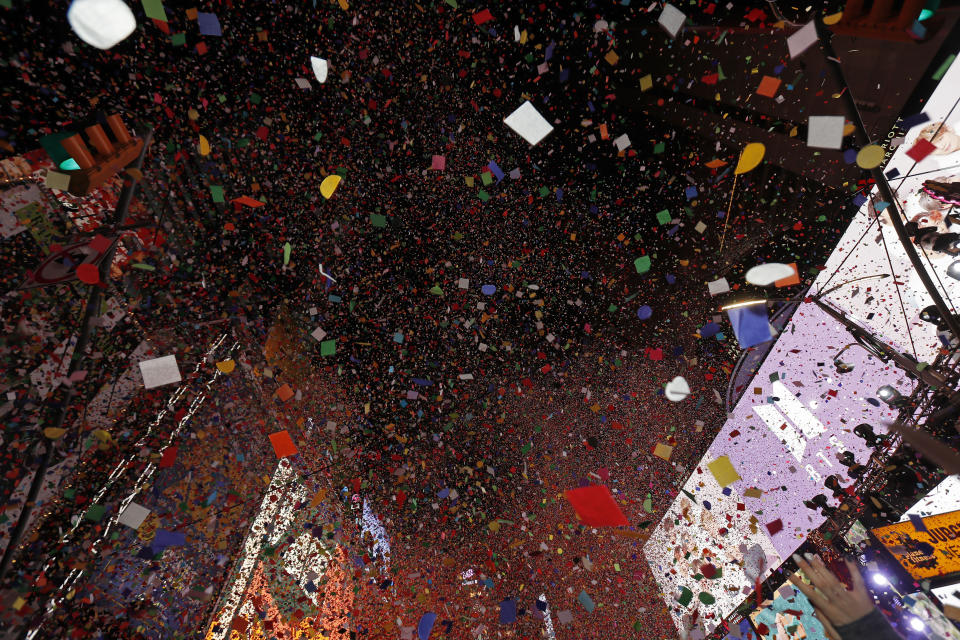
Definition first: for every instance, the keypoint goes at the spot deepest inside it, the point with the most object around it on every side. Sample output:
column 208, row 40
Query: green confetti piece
column 642, row 264
column 154, row 10
column 287, row 249
column 685, row 598
column 484, row 196
column 328, row 347
column 706, row 598
column 95, row 512
column 663, row 217
column 216, row 192
column 486, row 178
column 378, row 220
column 178, row 39
column 255, row 98
column 942, row 69
column 143, row 266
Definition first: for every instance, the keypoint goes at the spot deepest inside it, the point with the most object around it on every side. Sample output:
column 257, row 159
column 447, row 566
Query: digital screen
column 291, row 578
column 934, row 623
column 943, row 498
column 932, row 553
column 788, row 616
column 783, row 436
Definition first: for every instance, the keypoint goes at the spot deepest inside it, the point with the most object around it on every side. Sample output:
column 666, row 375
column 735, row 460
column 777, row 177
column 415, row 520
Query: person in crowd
column 846, row 613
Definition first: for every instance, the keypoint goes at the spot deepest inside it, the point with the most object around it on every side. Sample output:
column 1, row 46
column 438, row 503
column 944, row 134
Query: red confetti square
column 100, row 243
column 283, row 444
column 768, row 86
column 775, row 527
column 285, row 392
column 482, row 16
column 921, row 149
column 247, row 201
column 168, row 457
column 596, row 507
column 201, row 48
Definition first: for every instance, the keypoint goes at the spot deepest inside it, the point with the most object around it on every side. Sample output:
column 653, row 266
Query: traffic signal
column 79, row 171
column 886, row 19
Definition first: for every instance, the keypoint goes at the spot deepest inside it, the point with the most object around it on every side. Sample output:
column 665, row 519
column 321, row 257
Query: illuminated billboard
column 933, row 552
column 292, row 578
column 788, row 616
column 781, row 442
column 741, row 512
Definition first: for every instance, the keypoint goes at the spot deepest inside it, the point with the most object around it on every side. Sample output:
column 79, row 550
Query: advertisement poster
column 936, row 624
column 789, row 616
column 925, row 192
column 743, row 508
column 932, row 553
column 291, row 580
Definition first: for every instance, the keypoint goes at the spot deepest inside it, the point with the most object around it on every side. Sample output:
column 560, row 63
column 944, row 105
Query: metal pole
column 833, row 63
column 928, row 375
column 86, row 331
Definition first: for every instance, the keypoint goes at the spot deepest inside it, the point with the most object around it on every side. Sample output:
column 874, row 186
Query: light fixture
column 891, row 396
column 880, row 580
column 954, row 270
column 886, row 393
column 841, row 365
column 917, row 624
column 930, row 314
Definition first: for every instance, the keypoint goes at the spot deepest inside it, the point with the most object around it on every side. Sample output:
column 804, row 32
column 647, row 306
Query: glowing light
column 917, row 624
column 69, row 164
column 742, row 304
column 880, row 580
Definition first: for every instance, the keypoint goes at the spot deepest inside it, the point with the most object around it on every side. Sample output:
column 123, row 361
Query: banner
column 930, row 553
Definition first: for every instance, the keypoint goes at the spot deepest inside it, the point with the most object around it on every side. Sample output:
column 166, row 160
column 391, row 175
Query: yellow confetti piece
column 870, row 156
column 750, row 157
column 329, row 185
column 833, row 18
column 204, row 147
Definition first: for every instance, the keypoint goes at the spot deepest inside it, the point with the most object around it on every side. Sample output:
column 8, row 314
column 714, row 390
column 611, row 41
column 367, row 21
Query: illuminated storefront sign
column 933, row 553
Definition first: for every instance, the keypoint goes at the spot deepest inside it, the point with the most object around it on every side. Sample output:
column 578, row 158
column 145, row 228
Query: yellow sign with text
column 932, row 553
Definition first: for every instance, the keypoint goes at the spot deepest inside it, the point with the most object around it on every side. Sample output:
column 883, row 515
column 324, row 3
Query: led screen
column 742, row 509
